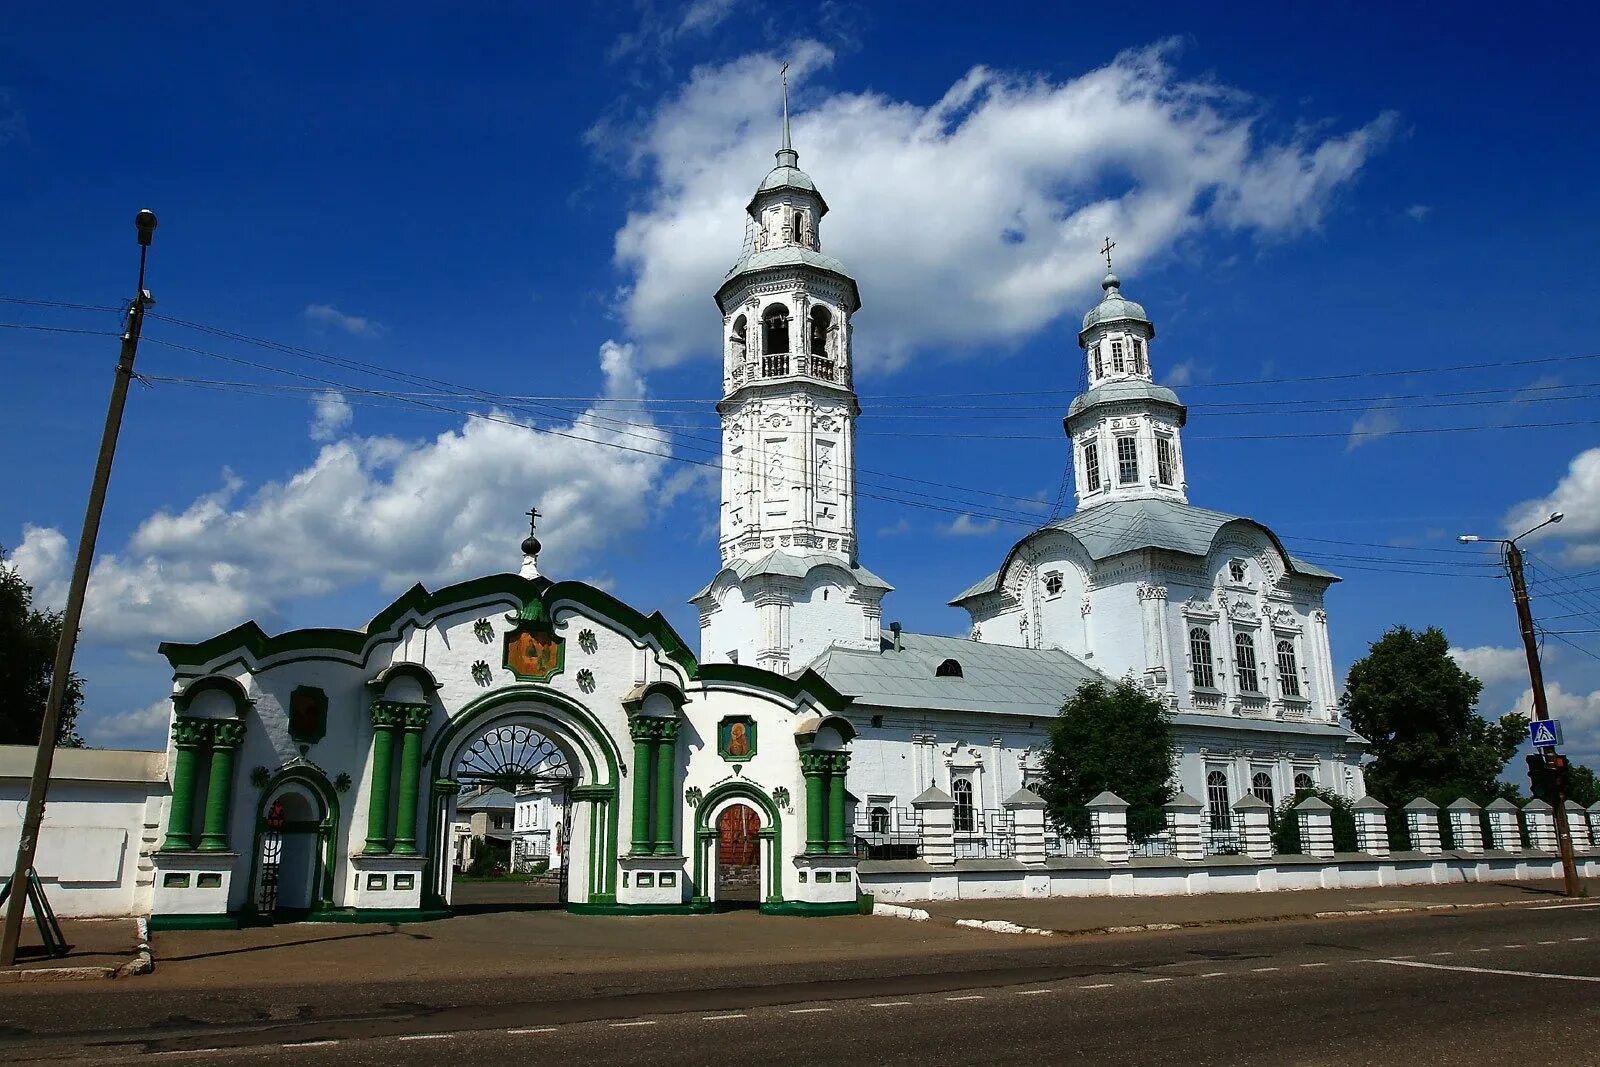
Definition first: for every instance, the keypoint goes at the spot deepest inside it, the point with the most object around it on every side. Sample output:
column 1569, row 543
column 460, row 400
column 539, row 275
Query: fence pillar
column 937, row 811
column 1466, row 824
column 1316, row 827
column 1108, row 826
column 1255, row 817
column 1541, row 821
column 1185, row 815
column 1372, row 826
column 1027, row 822
column 1422, row 818
column 1504, row 833
column 1577, row 826
column 1594, row 823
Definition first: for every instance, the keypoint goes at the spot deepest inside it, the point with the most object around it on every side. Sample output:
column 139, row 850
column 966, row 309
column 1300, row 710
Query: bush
column 1285, row 822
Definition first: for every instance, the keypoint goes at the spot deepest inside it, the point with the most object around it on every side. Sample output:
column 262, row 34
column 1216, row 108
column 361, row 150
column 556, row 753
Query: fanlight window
column 510, row 757
column 1236, row 570
column 1302, row 780
column 966, row 820
column 1217, row 805
column 878, row 820
column 948, row 669
column 1200, row 669
column 1288, row 670
column 1261, row 787
column 1053, row 583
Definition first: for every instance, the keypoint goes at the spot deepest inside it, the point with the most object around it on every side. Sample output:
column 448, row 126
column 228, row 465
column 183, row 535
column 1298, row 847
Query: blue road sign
column 1545, row 733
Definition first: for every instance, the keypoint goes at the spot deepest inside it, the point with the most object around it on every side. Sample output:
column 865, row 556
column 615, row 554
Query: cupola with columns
column 1125, row 429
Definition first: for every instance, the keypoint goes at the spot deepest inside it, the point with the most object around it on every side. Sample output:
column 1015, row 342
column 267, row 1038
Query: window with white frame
column 1200, row 670
column 1138, row 356
column 1288, row 669
column 1236, row 571
column 878, row 820
column 966, row 820
column 1164, row 460
column 1053, row 583
column 1091, row 464
column 1217, row 806
column 1303, row 780
column 1127, row 461
column 1116, row 357
column 1244, row 654
column 1099, row 363
column 1261, row 788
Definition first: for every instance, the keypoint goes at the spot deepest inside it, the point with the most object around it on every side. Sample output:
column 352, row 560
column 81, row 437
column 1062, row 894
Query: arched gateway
column 327, row 774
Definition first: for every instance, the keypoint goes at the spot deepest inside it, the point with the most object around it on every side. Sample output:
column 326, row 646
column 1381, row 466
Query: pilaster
column 386, row 719
column 226, row 736
column 666, row 752
column 414, row 719
column 189, row 736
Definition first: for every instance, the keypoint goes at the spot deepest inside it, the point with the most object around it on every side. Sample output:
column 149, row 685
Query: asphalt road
column 1493, row 986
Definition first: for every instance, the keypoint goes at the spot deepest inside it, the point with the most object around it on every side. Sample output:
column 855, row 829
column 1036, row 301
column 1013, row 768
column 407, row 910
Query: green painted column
column 666, row 778
column 643, row 768
column 405, row 822
column 837, row 765
column 225, row 738
column 385, row 718
column 814, row 765
column 188, row 737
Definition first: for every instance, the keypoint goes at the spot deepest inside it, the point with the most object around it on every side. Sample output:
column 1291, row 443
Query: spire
column 787, row 156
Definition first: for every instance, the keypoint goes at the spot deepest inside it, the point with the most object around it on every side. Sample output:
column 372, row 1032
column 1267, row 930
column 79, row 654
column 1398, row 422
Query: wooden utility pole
column 28, row 844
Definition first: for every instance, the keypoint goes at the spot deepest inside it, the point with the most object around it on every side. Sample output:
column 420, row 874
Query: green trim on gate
column 739, row 790
column 194, row 922
column 327, row 839
column 807, row 683
column 804, row 907
column 613, row 908
column 377, row 915
column 582, row 722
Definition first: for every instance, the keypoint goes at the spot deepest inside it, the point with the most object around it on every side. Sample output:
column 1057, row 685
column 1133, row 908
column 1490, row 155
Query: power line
column 58, row 329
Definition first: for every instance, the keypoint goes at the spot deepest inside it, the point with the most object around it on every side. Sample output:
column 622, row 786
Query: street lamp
column 1541, row 708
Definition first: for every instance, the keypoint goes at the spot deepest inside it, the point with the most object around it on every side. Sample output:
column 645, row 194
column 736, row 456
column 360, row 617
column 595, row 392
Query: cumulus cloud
column 1181, row 374
column 326, row 315
column 658, row 30
column 1578, row 496
column 143, row 726
column 970, row 220
column 897, row 529
column 1579, row 713
column 330, row 413
column 1370, row 425
column 373, row 509
column 1492, row 665
column 1419, row 212
column 965, row 525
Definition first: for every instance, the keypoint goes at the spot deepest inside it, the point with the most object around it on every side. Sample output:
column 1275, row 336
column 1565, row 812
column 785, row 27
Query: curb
column 143, row 962
column 895, row 911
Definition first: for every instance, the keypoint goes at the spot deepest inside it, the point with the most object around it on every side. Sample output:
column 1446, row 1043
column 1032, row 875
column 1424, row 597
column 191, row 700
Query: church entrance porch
column 738, row 857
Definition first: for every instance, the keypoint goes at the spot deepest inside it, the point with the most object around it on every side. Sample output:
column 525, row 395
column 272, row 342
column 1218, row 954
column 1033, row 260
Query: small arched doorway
column 739, row 856
column 291, row 872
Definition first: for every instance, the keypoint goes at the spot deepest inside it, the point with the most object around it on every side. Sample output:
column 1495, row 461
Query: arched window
column 1261, row 788
column 966, row 820
column 878, row 820
column 737, row 340
column 1217, row 805
column 1302, row 780
column 1288, row 671
column 1054, row 583
column 799, row 226
column 775, row 330
column 1091, row 465
column 1200, row 670
column 948, row 669
column 821, row 323
column 1244, row 649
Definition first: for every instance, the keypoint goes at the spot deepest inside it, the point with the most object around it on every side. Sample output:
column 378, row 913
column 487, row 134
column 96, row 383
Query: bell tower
column 790, row 583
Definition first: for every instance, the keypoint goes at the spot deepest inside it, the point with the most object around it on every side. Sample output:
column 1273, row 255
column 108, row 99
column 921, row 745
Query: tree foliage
column 1418, row 711
column 1582, row 785
column 1285, row 822
column 1109, row 737
column 28, row 639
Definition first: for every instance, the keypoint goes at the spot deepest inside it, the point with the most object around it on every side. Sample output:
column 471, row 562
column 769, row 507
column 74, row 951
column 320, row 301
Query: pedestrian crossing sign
column 1544, row 733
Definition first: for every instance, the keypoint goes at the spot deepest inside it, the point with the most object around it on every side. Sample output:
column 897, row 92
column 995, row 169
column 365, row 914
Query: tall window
column 1288, row 670
column 799, row 227
column 1127, row 461
column 1099, row 364
column 1138, row 356
column 775, row 330
column 1116, row 357
column 1200, row 669
column 821, row 323
column 1164, row 460
column 1244, row 650
column 1091, row 465
column 965, row 820
column 1217, row 800
column 1261, row 788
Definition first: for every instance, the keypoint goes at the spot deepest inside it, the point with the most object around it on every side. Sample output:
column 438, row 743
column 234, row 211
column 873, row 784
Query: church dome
column 1114, row 307
column 1124, row 389
column 787, row 178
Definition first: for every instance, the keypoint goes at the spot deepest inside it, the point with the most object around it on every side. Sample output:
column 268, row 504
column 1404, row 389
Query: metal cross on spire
column 533, row 518
column 1106, row 251
column 783, row 73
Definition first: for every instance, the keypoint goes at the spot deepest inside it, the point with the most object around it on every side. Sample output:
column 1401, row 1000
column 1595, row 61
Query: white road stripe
column 1475, row 950
column 1214, row 974
column 307, row 1044
column 1577, row 939
column 1441, row 953
column 1547, row 942
column 1492, row 970
column 1558, row 907
column 1097, row 985
column 893, row 1004
column 1258, row 970
column 426, row 1037
column 1152, row 981
column 1502, row 946
column 1033, row 992
column 1410, row 956
column 637, row 1022
column 719, row 1018
column 807, row 1011
column 534, row 1030
column 974, row 996
column 1313, row 965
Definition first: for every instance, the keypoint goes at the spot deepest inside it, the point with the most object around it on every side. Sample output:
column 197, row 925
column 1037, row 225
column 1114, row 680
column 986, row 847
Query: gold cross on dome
column 1106, row 251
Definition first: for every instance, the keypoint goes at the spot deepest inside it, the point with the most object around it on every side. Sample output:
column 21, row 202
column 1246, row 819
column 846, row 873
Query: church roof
column 789, row 256
column 1002, row 679
column 1108, row 392
column 1119, row 526
column 789, row 565
column 1114, row 307
column 495, row 799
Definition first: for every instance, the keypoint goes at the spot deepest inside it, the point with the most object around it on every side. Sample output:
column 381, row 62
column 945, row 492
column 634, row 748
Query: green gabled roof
column 793, row 687
column 250, row 639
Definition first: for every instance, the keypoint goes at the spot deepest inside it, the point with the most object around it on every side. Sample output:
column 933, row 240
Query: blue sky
column 537, row 202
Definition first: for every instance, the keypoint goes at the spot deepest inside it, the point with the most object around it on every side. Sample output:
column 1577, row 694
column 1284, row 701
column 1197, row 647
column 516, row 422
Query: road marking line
column 1502, row 946
column 1577, row 939
column 1033, row 992
column 1214, row 974
column 894, row 1004
column 1097, row 985
column 1441, row 953
column 1258, row 970
column 807, row 1011
column 1475, row 950
column 1548, row 942
column 307, row 1044
column 1406, row 957
column 974, row 996
column 1313, row 965
column 426, row 1037
column 1492, row 970
column 637, row 1022
column 1151, row 981
column 534, row 1030
column 719, row 1018
column 1558, row 907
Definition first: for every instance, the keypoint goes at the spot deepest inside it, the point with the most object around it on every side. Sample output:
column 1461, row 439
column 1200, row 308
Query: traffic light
column 1560, row 768
column 1541, row 778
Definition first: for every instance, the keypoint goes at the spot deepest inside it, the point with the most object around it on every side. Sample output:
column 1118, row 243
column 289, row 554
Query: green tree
column 1114, row 737
column 28, row 639
column 1582, row 785
column 1285, row 822
column 1418, row 710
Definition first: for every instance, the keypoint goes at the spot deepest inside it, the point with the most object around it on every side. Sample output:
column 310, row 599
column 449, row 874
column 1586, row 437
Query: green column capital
column 641, row 728
column 415, row 716
column 667, row 730
column 191, row 732
column 387, row 714
column 814, row 764
column 229, row 733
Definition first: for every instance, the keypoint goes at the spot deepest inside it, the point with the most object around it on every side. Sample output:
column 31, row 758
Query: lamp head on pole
column 1557, row 516
column 146, row 222
column 1469, row 539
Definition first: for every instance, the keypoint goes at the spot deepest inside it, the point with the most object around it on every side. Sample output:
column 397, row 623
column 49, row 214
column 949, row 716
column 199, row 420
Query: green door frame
column 706, row 831
column 327, row 829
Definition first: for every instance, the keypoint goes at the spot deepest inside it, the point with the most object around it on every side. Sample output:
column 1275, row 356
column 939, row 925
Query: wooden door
column 738, row 843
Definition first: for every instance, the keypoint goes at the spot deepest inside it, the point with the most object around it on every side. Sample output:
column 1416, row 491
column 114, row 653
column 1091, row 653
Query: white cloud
column 330, row 413
column 1419, row 212
column 659, row 29
column 1492, row 665
column 1370, row 425
column 897, row 529
column 1180, row 375
column 144, row 725
column 376, row 509
column 355, row 325
column 1579, row 714
column 968, row 221
column 966, row 526
column 1577, row 495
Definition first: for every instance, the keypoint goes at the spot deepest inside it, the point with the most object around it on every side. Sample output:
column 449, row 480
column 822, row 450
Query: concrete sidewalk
column 1085, row 915
column 100, row 948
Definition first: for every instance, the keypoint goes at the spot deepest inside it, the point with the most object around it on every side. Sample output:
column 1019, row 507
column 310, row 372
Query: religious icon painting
column 308, row 714
column 534, row 654
column 736, row 738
